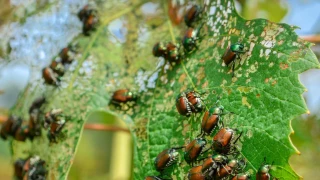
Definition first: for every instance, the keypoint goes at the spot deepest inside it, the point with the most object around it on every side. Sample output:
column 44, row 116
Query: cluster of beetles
column 21, row 131
column 174, row 53
column 53, row 73
column 224, row 160
column 33, row 168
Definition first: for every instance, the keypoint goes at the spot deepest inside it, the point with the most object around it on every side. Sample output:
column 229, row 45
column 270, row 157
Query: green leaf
column 264, row 95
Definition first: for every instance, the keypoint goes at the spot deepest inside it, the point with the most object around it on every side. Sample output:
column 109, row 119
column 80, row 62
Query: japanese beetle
column 194, row 149
column 195, row 100
column 66, row 55
column 211, row 119
column 22, row 133
column 183, row 105
column 36, row 104
column 18, row 168
column 52, row 116
column 232, row 53
column 89, row 24
column 242, row 176
column 34, row 168
column 212, row 164
column 159, row 49
column 195, row 173
column 50, row 77
column 83, row 13
column 34, row 121
column 34, row 124
column 188, row 102
column 123, row 96
column 57, row 67
column 166, row 158
column 56, row 122
column 263, row 172
column 55, row 129
column 191, row 36
column 173, row 53
column 10, row 127
column 89, row 18
column 192, row 15
column 222, row 140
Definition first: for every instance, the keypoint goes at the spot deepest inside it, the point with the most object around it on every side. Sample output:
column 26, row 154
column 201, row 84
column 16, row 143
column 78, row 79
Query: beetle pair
column 31, row 168
column 215, row 167
column 55, row 120
column 52, row 74
column 14, row 125
column 169, row 51
column 89, row 18
column 221, row 144
column 189, row 102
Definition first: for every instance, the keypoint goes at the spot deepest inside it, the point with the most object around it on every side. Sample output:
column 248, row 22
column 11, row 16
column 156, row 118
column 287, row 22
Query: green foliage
column 264, row 94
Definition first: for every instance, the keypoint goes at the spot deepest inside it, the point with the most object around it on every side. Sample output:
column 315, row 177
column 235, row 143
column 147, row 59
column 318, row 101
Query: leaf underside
column 265, row 93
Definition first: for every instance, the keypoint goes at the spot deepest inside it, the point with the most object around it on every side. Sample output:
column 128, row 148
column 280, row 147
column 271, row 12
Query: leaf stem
column 312, row 38
column 102, row 127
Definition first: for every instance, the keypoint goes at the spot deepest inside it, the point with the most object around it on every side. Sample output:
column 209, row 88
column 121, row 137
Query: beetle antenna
column 233, row 65
column 264, row 160
column 201, row 134
column 218, row 100
column 222, row 123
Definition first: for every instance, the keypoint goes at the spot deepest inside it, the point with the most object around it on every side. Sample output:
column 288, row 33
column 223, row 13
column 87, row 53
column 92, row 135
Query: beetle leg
column 226, row 169
column 264, row 161
column 189, row 108
column 205, row 150
column 211, row 172
column 238, row 138
column 201, row 134
column 238, row 56
column 222, row 123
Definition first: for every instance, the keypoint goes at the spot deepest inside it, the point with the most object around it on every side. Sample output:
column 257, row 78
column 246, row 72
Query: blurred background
column 98, row 155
